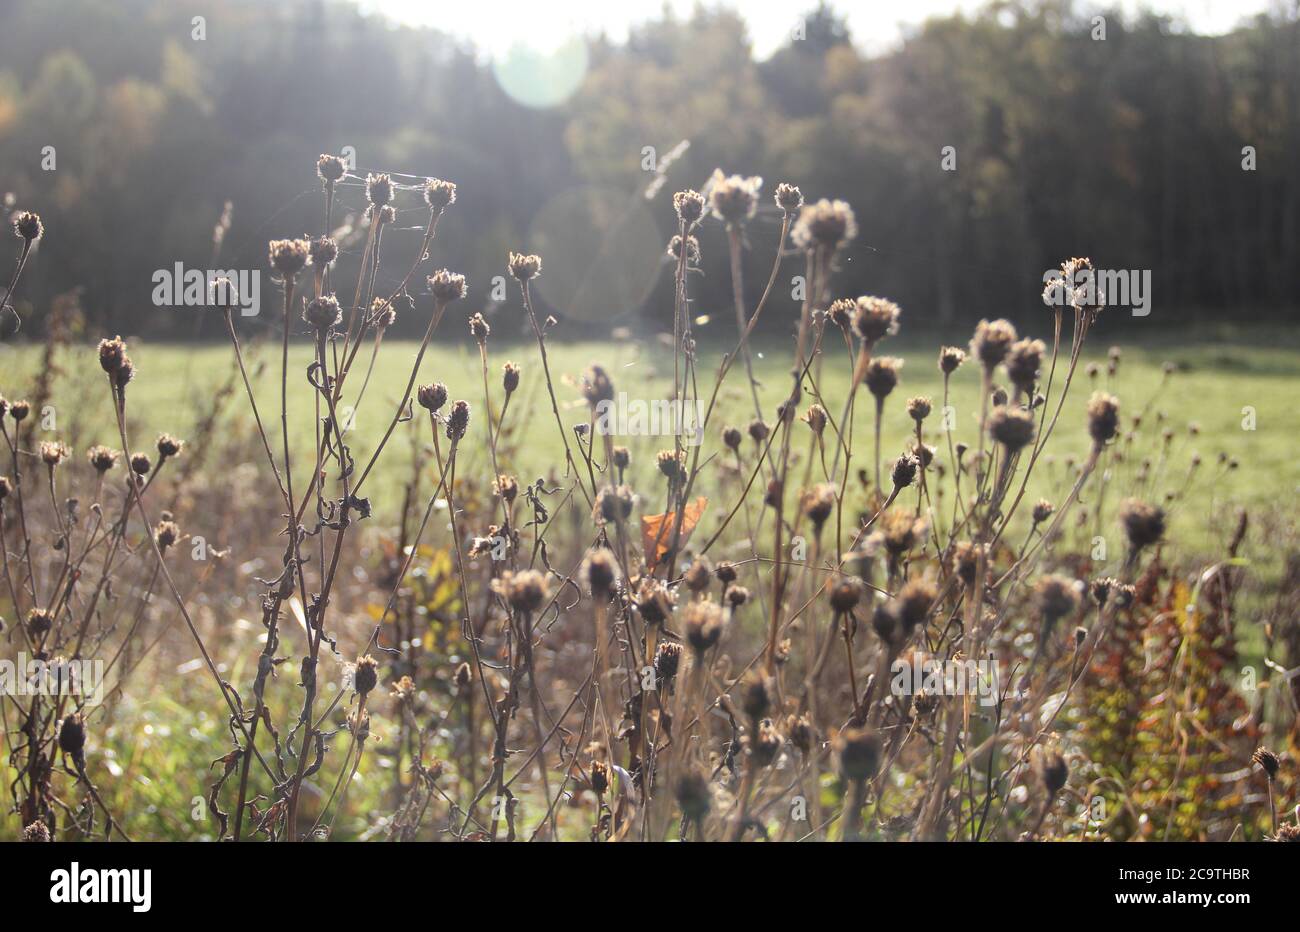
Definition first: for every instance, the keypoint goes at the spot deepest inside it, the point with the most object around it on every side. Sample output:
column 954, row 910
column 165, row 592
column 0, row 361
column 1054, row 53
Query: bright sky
column 496, row 25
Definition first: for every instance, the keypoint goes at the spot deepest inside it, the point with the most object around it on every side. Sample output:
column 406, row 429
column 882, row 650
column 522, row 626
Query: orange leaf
column 657, row 531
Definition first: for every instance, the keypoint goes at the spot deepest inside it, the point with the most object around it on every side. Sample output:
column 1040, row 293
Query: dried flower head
column 18, row 410
column 692, row 249
column 668, row 660
column 597, row 386
column 526, row 591
column 330, row 168
column 992, row 342
column 524, row 267
column 439, row 194
column 140, row 464
column 37, row 832
column 447, row 286
column 846, row 595
column 39, row 622
column 825, row 224
column 365, row 675
column 950, row 359
column 733, row 199
column 102, row 458
column 1056, row 597
column 614, row 504
column 653, row 601
column 858, row 751
column 379, row 190
column 323, row 251
column 322, row 313
column 1012, row 427
column 53, row 453
column 601, row 572
column 689, row 206
column 431, row 397
column 875, row 318
column 72, row 735
column 882, row 375
column 1144, row 524
column 1043, row 510
column 903, row 472
column 166, row 534
column 788, row 197
column 510, row 377
column 1052, row 770
column 458, row 420
column 818, row 504
column 289, row 256
column 698, row 574
column 919, row 408
column 1268, row 762
column 703, row 623
column 1024, row 359
column 28, row 227
column 1103, row 417
column 672, row 463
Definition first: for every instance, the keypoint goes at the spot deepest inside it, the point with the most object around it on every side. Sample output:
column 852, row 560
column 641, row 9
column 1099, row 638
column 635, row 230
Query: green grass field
column 1217, row 384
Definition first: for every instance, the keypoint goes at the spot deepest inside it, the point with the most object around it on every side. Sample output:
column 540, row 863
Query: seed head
column 523, row 267
column 731, row 436
column 140, row 464
column 614, row 504
column 379, row 190
column 289, row 256
column 5, row 487
column 597, row 385
column 322, row 313
column 1043, row 510
column 323, row 251
column 601, row 572
column 464, row 676
column 818, row 504
column 1024, row 359
column 1103, row 417
column 689, row 206
column 698, row 574
column 756, row 696
column 726, row 573
column 1052, row 770
column 507, row 488
column 365, row 676
column 510, row 377
column 950, row 359
column 330, row 168
column 72, row 735
column 621, row 458
column 841, row 312
column 875, row 318
column 431, row 397
column 668, row 659
column 858, row 750
column 18, row 410
column 112, row 354
column 692, row 792
column 1056, row 597
column 458, row 420
column 825, row 224
column 918, row 409
column 846, row 595
column 733, row 198
column 964, row 561
column 758, row 431
column 703, row 622
column 1268, row 762
column 36, row 832
column 914, row 602
column 904, row 470
column 882, row 375
column 735, row 596
column 102, row 458
column 526, row 591
column 39, row 621
column 166, row 534
column 692, row 249
column 653, row 601
column 447, row 287
column 53, row 453
column 439, row 194
column 992, row 342
column 788, row 197
column 1012, row 427
column 28, row 226
column 672, row 463
column 1144, row 524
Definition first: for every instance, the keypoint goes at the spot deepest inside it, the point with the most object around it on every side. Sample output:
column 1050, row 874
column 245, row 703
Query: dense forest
column 1151, row 148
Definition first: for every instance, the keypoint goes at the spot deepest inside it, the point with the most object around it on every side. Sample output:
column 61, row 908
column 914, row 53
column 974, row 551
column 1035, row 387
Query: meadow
column 416, row 595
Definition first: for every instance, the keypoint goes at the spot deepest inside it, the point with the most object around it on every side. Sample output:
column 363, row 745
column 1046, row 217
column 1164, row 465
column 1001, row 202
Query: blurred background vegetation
column 1129, row 150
